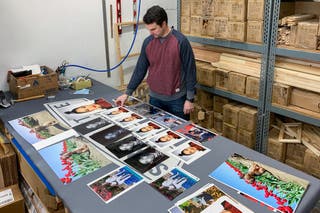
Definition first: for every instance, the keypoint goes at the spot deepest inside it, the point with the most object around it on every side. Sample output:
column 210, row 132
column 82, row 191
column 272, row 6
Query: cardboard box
column 281, row 94
column 248, row 118
column 210, row 28
column 255, row 10
column 230, row 131
column 218, row 103
column 15, row 206
column 252, row 87
column 307, row 34
column 221, row 27
column 196, row 25
column 206, row 75
column 287, row 8
column 295, row 154
column 185, row 24
column 185, row 8
column 207, row 8
column 205, row 99
column 8, row 164
column 237, row 31
column 276, row 150
column 231, row 114
column 196, row 8
column 255, row 31
column 33, row 85
column 218, row 121
column 222, row 77
column 246, row 138
column 305, row 99
column 221, row 8
column 312, row 163
column 237, row 83
column 237, row 10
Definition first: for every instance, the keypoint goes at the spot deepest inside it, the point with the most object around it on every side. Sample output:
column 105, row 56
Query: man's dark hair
column 155, row 14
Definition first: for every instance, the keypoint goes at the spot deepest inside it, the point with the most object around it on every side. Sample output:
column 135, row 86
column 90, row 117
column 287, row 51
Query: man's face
column 156, row 30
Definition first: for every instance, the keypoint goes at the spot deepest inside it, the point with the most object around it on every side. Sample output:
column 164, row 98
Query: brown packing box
column 312, row 163
column 185, row 8
column 237, row 31
column 195, row 25
column 16, row 206
column 205, row 99
column 33, row 85
column 218, row 121
column 287, row 8
column 221, row 27
column 222, row 77
column 276, row 150
column 8, row 163
column 252, row 87
column 307, row 34
column 305, row 99
column 254, row 31
column 218, row 103
column 246, row 138
column 185, row 24
column 248, row 118
column 230, row 131
column 196, row 9
column 255, row 10
column 231, row 114
column 206, row 75
column 237, row 10
column 295, row 155
column 207, row 8
column 207, row 26
column 237, row 83
column 221, row 8
column 281, row 94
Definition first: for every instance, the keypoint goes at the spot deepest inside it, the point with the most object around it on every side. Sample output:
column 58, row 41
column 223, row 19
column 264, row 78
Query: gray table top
column 78, row 198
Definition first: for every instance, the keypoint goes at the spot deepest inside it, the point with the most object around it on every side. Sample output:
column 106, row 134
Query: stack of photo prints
column 76, row 137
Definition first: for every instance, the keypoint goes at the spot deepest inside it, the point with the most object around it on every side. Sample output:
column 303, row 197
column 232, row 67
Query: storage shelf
column 226, row 43
column 229, row 95
column 298, row 53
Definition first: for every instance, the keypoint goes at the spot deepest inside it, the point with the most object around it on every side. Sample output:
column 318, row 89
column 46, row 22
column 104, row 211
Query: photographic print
column 264, row 183
column 125, row 146
column 129, row 119
column 116, row 112
column 167, row 119
column 210, row 199
column 189, row 151
column 73, row 158
column 77, row 111
column 91, row 125
column 174, row 183
column 115, row 183
column 166, row 138
column 146, row 129
column 132, row 101
column 110, row 135
column 196, row 133
column 146, row 159
column 144, row 109
column 38, row 126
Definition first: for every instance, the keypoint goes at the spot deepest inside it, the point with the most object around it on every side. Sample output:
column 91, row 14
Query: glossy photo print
column 146, row 129
column 196, row 133
column 129, row 119
column 146, row 159
column 167, row 119
column 144, row 109
column 116, row 112
column 189, row 151
column 91, row 125
column 73, row 158
column 110, row 135
column 275, row 188
column 125, row 146
column 115, row 183
column 38, row 126
column 166, row 138
column 174, row 183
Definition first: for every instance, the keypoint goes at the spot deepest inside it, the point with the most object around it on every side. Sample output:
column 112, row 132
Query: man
column 168, row 56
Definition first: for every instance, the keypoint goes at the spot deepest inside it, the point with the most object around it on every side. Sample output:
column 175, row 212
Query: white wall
column 47, row 32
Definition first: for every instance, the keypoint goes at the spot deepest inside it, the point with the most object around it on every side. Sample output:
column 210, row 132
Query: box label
column 6, row 197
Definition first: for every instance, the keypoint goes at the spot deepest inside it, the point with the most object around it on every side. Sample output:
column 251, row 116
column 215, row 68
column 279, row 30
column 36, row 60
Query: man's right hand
column 121, row 100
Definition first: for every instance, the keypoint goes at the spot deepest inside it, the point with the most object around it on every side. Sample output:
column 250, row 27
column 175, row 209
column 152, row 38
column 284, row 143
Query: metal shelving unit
column 269, row 51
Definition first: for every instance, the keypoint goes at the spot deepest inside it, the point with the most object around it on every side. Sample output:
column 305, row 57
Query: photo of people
column 129, row 119
column 125, row 146
column 91, row 125
column 174, row 183
column 196, row 133
column 73, row 158
column 38, row 126
column 165, row 139
column 146, row 159
column 116, row 112
column 132, row 101
column 210, row 199
column 189, row 151
column 144, row 109
column 115, row 183
column 77, row 111
column 146, row 129
column 167, row 119
column 110, row 135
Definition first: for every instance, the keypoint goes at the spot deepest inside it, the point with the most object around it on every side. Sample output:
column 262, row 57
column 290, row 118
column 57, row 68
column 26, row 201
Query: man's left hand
column 188, row 107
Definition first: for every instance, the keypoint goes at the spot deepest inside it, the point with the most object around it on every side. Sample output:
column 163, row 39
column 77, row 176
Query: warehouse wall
column 47, row 32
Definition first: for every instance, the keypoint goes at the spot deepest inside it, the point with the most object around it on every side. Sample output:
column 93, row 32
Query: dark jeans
column 175, row 107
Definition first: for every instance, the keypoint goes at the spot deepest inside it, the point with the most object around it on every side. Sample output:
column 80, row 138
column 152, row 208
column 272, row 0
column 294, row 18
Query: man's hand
column 121, row 100
column 188, row 107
